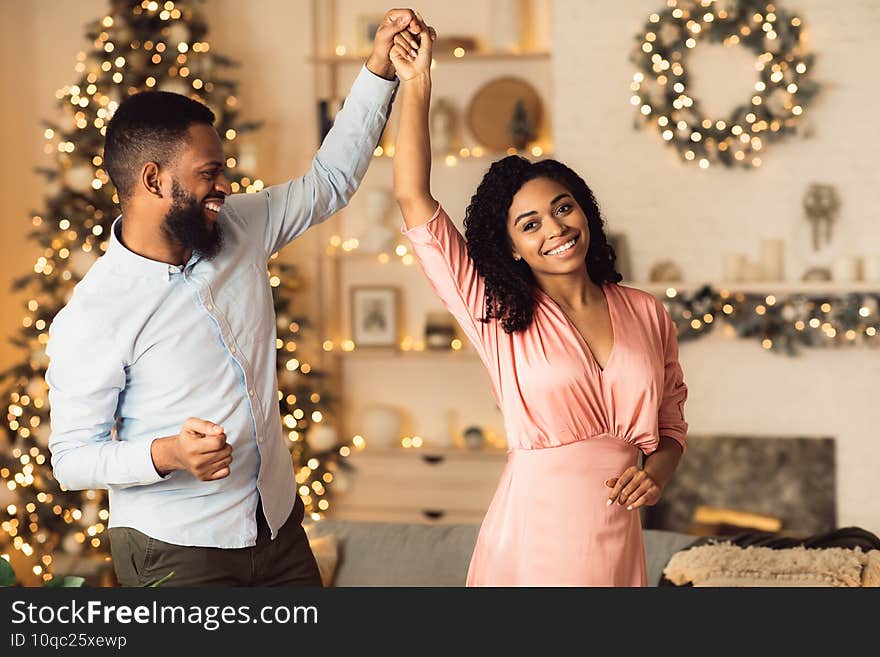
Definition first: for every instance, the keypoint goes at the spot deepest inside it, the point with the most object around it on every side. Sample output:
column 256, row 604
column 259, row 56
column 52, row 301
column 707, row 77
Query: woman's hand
column 411, row 57
column 411, row 53
column 634, row 488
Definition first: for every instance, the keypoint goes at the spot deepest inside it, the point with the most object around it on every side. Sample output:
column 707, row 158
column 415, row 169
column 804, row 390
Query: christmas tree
column 137, row 46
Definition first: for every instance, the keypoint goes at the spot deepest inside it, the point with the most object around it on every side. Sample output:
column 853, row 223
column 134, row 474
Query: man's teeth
column 561, row 249
column 214, row 207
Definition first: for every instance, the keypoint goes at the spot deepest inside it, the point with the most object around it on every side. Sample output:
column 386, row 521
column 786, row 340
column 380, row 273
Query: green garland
column 660, row 86
column 781, row 323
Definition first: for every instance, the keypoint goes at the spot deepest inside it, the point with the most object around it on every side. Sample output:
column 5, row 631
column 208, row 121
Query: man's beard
column 186, row 224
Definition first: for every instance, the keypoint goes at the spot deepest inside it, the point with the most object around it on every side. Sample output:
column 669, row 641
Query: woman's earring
column 517, row 256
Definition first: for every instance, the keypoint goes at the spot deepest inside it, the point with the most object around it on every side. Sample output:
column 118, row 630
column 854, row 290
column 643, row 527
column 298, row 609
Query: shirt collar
column 133, row 264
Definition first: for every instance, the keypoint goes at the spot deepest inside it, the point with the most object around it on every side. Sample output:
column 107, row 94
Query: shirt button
column 260, row 439
column 251, row 392
column 210, row 307
column 232, row 349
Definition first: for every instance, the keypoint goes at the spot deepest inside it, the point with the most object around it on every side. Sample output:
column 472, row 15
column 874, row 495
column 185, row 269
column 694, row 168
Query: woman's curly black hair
column 510, row 284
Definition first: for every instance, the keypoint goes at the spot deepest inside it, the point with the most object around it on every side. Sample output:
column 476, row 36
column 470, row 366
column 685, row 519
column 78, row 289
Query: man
column 169, row 343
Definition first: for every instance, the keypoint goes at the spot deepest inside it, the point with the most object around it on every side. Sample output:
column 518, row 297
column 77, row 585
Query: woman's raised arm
column 412, row 151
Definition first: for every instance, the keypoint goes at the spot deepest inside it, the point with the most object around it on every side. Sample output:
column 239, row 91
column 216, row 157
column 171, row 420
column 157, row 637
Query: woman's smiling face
column 547, row 228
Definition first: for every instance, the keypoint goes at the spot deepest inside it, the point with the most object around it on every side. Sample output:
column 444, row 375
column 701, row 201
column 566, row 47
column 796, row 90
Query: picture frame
column 367, row 26
column 375, row 316
column 620, row 244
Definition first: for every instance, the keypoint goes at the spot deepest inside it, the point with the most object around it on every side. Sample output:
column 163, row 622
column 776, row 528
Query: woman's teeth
column 562, row 249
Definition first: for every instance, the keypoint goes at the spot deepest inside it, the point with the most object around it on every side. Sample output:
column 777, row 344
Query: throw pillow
column 326, row 551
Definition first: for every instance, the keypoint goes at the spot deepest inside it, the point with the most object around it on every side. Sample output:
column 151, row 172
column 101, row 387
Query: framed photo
column 619, row 243
column 367, row 27
column 375, row 316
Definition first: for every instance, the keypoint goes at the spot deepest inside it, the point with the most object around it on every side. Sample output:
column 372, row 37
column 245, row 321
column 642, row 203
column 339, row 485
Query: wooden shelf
column 411, row 355
column 427, row 484
column 660, row 289
column 364, row 256
column 471, row 56
column 486, row 157
column 431, row 453
column 769, row 287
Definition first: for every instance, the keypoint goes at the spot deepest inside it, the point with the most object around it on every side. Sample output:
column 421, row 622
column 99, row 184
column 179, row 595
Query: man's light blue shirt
column 143, row 345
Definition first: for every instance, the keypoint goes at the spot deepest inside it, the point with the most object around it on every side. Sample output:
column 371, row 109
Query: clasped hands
column 401, row 34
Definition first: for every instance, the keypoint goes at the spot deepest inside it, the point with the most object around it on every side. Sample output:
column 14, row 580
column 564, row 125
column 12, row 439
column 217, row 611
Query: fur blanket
column 845, row 557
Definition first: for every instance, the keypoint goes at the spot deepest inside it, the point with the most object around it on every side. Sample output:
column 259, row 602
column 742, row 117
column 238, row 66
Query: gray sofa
column 410, row 554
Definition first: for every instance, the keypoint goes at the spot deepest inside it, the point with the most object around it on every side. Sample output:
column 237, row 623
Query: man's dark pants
column 287, row 561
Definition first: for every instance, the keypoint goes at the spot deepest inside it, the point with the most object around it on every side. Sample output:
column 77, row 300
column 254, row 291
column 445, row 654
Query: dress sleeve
column 671, row 418
column 442, row 254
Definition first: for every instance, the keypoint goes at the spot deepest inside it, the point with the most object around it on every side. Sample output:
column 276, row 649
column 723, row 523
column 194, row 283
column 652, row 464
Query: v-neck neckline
column 588, row 351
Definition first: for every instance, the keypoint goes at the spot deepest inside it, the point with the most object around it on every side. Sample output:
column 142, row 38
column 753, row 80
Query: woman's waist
column 603, row 450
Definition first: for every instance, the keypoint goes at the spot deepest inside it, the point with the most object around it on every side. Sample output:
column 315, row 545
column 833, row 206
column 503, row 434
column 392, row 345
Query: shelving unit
column 470, row 56
column 809, row 288
column 432, row 486
column 424, row 355
column 438, row 392
column 455, row 175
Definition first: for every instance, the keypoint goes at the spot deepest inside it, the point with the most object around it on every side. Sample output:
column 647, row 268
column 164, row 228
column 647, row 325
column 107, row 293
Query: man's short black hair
column 148, row 127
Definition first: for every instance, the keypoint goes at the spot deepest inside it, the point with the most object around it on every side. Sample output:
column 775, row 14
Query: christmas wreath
column 781, row 92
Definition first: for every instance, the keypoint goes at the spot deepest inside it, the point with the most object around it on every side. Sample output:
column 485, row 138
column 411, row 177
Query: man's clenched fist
column 200, row 448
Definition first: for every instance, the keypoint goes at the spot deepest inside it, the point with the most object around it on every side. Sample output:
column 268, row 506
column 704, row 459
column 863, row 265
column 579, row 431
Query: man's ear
column 150, row 179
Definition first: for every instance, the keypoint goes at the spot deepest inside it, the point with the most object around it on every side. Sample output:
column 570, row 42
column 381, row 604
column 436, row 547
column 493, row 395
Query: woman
column 585, row 371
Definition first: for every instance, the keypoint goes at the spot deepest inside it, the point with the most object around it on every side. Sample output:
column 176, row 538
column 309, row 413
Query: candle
column 772, row 259
column 845, row 269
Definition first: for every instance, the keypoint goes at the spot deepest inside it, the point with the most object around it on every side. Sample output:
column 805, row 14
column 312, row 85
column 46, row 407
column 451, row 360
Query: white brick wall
column 691, row 216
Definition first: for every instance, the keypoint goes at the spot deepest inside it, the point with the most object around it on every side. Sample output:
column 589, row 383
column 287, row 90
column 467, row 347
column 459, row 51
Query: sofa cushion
column 404, row 554
column 659, row 547
column 399, row 554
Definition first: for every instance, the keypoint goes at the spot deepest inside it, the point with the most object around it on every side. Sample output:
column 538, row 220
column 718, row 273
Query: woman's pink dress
column 570, row 425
